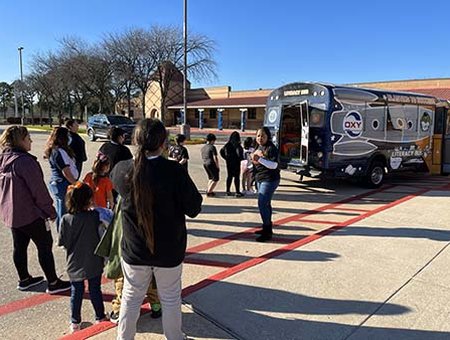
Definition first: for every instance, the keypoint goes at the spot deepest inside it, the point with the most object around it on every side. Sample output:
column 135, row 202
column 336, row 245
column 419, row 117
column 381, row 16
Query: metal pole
column 21, row 85
column 185, row 129
column 185, row 62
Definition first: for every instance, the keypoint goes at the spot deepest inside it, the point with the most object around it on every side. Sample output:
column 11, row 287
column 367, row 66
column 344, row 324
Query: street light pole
column 185, row 129
column 21, row 85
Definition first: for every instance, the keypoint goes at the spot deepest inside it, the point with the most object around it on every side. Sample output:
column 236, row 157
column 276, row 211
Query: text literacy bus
column 346, row 131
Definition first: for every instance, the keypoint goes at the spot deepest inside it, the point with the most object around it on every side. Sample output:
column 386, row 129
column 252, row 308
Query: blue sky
column 260, row 44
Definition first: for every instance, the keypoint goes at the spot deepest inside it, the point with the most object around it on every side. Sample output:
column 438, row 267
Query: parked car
column 98, row 126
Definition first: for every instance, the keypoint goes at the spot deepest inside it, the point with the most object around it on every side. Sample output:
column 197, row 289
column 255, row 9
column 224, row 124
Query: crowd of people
column 145, row 238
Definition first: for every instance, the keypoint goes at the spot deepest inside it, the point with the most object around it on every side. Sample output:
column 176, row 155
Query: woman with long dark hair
column 63, row 168
column 233, row 153
column 157, row 194
column 267, row 177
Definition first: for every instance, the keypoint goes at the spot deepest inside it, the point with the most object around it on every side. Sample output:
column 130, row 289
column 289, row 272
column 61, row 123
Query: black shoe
column 210, row 194
column 58, row 287
column 30, row 282
column 264, row 237
column 239, row 194
column 114, row 317
column 229, row 193
column 258, row 232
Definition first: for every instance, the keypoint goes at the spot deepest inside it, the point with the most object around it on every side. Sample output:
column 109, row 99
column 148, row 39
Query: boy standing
column 178, row 152
column 210, row 163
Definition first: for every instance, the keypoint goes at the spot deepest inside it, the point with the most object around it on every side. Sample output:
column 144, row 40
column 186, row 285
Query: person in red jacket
column 25, row 205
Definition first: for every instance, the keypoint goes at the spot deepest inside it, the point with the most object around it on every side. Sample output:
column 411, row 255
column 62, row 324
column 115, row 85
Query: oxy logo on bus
column 353, row 124
column 272, row 116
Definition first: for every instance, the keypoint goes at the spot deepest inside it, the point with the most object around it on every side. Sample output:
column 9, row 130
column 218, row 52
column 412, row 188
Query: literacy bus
column 345, row 131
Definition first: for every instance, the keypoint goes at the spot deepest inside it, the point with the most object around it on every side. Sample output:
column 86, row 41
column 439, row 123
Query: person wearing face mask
column 267, row 177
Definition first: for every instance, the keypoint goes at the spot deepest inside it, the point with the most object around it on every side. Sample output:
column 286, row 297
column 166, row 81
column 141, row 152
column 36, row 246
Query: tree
column 123, row 64
column 134, row 60
column 169, row 47
column 6, row 97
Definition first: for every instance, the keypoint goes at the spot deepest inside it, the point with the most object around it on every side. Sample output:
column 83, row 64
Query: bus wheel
column 375, row 175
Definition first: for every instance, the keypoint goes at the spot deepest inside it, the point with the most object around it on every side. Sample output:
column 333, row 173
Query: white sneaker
column 75, row 327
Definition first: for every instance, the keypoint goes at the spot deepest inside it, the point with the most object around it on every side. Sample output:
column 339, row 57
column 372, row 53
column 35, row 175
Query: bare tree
column 135, row 60
column 89, row 69
column 123, row 64
column 168, row 45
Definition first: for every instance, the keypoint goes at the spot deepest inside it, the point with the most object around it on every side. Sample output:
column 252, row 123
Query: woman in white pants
column 157, row 194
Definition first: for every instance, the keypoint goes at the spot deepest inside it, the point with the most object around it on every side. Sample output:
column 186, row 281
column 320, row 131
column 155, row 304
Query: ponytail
column 149, row 136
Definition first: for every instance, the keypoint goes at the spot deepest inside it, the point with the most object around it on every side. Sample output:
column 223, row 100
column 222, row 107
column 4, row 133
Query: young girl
column 79, row 236
column 247, row 166
column 100, row 183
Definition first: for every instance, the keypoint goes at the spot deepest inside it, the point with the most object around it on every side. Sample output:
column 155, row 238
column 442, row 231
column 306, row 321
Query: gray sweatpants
column 137, row 280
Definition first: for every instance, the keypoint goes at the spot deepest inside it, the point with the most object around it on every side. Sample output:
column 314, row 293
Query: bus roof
column 330, row 86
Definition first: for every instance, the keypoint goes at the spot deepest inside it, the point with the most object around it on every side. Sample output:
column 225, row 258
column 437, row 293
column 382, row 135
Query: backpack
column 175, row 152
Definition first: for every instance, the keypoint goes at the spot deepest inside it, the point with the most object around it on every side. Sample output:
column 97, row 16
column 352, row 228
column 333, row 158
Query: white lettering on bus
column 296, row 92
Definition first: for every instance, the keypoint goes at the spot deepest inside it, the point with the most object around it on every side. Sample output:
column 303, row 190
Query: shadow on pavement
column 259, row 309
column 297, row 255
column 398, row 232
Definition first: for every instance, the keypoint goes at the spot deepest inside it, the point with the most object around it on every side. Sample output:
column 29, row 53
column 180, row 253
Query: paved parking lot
column 345, row 262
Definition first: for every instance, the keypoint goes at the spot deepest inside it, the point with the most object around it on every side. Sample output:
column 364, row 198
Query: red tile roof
column 441, row 93
column 224, row 103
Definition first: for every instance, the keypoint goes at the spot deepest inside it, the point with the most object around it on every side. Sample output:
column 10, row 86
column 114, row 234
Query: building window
column 197, row 113
column 251, row 113
column 212, row 113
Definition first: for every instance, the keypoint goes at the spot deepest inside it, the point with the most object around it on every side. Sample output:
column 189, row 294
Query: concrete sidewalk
column 385, row 277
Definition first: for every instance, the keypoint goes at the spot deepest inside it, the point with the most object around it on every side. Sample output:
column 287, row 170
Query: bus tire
column 375, row 175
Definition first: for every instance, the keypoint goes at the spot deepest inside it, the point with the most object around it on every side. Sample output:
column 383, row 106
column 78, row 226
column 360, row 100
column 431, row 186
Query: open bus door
column 446, row 146
column 304, row 120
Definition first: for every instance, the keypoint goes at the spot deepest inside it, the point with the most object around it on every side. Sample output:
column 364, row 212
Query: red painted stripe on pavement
column 211, row 263
column 317, row 221
column 99, row 328
column 354, row 209
column 29, row 302
column 34, row 300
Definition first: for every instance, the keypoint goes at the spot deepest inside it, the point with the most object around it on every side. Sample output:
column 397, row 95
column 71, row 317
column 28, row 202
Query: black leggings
column 42, row 238
column 233, row 172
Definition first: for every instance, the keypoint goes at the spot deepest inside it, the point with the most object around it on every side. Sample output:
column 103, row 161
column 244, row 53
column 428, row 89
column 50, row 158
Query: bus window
column 396, row 118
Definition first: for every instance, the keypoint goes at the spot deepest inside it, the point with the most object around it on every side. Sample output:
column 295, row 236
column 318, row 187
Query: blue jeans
column 58, row 190
column 265, row 193
column 76, row 298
